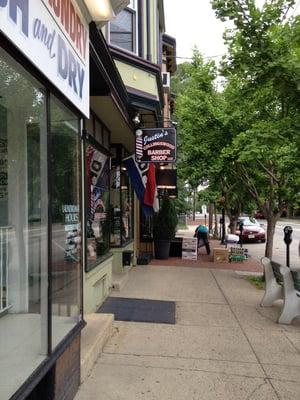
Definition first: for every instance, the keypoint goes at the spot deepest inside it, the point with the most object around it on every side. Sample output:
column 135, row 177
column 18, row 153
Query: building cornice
column 102, row 58
column 141, row 63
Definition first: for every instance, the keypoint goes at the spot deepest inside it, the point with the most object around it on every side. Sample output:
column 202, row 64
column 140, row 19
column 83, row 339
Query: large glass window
column 115, row 200
column 121, row 197
column 98, row 223
column 123, row 30
column 66, row 222
column 126, row 206
column 23, row 225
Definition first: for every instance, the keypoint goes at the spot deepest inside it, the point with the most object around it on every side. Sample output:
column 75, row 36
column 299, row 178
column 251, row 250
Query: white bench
column 282, row 283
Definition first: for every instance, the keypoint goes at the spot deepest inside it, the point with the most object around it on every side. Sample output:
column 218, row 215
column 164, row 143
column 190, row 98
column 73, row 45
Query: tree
column 199, row 119
column 262, row 74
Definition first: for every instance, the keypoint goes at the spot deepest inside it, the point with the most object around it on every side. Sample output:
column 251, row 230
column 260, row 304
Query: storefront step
column 119, row 280
column 98, row 330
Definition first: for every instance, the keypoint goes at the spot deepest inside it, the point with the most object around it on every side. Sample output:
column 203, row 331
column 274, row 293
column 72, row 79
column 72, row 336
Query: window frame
column 25, row 388
column 133, row 10
column 89, row 138
column 120, row 153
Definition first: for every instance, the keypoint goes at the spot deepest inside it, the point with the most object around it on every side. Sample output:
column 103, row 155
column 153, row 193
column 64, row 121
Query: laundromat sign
column 54, row 35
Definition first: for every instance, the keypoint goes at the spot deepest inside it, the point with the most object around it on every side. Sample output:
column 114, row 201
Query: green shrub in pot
column 164, row 228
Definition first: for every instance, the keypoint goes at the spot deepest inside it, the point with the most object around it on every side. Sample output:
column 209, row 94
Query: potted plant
column 164, row 228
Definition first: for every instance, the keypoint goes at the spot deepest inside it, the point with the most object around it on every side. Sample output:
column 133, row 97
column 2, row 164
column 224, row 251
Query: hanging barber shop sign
column 54, row 36
column 155, row 145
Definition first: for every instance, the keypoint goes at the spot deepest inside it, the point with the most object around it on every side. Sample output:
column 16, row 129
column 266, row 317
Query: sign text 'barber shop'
column 155, row 145
column 54, row 36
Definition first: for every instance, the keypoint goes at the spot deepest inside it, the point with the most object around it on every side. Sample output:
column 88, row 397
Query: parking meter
column 288, row 230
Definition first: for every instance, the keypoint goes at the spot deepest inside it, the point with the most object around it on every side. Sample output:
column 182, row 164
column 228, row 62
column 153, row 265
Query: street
column 257, row 250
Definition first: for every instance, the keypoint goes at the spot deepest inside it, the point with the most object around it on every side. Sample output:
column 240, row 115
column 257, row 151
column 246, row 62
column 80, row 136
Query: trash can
column 127, row 257
column 176, row 247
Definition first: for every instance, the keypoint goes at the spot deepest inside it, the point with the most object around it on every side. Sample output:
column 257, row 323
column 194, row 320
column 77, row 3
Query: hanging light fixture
column 100, row 10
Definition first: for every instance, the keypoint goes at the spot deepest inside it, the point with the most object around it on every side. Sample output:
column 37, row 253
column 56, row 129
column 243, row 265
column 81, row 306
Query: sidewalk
column 223, row 346
column 206, row 261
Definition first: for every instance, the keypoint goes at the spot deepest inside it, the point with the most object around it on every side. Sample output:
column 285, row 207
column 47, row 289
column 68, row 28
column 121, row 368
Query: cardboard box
column 189, row 249
column 221, row 255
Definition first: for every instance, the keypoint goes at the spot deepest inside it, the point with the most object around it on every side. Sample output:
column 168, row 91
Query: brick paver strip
column 206, row 261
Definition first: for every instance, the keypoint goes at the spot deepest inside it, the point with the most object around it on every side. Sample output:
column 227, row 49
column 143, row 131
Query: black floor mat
column 140, row 310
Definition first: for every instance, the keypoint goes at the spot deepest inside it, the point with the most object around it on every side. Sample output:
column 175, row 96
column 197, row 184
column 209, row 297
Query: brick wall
column 67, row 372
column 63, row 379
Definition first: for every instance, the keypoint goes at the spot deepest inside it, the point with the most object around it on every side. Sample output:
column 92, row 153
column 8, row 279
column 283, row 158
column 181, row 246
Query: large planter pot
column 162, row 249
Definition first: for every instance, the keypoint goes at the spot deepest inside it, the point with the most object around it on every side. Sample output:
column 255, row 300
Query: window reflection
column 98, row 224
column 126, row 202
column 115, row 199
column 23, row 225
column 122, row 30
column 66, row 222
column 121, row 206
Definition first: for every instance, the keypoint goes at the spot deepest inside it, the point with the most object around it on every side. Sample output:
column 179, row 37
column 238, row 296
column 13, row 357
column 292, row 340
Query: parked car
column 252, row 230
column 259, row 215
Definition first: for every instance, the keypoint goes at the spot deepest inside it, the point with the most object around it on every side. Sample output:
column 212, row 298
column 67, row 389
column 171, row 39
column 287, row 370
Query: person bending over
column 201, row 233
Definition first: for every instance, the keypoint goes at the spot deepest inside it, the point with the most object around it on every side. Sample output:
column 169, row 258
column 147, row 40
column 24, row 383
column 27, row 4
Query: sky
column 193, row 22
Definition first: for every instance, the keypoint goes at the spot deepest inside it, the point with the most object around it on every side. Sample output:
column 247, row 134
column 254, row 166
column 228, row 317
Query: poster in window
column 97, row 197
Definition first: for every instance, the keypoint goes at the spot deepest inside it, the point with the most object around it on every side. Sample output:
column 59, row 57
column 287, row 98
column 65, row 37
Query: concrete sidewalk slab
column 263, row 318
column 173, row 284
column 205, row 314
column 282, row 372
column 224, row 346
column 131, row 382
column 217, row 343
column 252, row 369
column 236, row 289
column 287, row 390
column 273, row 347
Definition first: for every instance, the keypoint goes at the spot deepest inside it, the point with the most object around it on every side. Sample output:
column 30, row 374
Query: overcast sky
column 193, row 22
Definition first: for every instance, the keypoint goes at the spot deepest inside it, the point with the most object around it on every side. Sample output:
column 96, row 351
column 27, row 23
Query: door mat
column 139, row 310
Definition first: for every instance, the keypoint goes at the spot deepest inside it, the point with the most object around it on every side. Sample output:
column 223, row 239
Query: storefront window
column 121, row 207
column 115, row 199
column 66, row 222
column 23, row 225
column 126, row 206
column 98, row 223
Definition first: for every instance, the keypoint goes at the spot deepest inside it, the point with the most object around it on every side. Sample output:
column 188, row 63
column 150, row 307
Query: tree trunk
column 233, row 214
column 194, row 204
column 210, row 218
column 216, row 234
column 232, row 223
column 270, row 235
column 290, row 211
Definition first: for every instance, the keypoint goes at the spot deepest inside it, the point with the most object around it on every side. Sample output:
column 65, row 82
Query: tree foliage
column 263, row 96
column 246, row 140
column 198, row 112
